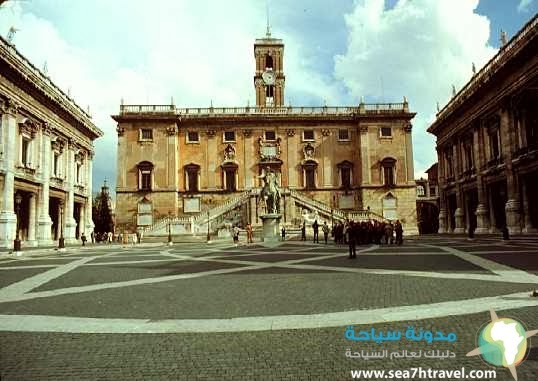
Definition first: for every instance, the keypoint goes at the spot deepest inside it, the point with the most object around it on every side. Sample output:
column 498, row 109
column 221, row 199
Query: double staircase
column 220, row 215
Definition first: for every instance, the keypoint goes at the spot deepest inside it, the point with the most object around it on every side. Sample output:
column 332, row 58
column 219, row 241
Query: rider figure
column 270, row 191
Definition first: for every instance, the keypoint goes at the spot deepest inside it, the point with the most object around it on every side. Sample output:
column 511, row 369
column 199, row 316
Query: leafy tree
column 102, row 212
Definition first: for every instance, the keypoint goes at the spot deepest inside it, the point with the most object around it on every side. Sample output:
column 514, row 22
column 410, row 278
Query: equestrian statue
column 270, row 192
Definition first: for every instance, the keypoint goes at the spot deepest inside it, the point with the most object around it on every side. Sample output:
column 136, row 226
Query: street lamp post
column 17, row 242
column 169, row 228
column 61, row 240
column 208, row 234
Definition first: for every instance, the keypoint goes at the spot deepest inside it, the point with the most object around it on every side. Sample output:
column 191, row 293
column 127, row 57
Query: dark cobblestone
column 316, row 354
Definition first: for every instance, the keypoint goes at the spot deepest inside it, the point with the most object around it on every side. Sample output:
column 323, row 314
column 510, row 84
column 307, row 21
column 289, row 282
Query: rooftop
column 44, row 84
column 486, row 74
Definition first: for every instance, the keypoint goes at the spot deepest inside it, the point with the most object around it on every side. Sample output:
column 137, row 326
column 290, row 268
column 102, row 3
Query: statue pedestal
column 271, row 227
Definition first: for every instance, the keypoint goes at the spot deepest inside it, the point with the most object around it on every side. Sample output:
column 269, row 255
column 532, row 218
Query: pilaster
column 89, row 198
column 366, row 173
column 70, row 223
column 43, row 218
column 8, row 219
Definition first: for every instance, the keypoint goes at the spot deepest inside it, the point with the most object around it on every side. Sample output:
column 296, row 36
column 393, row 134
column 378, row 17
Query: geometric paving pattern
column 202, row 294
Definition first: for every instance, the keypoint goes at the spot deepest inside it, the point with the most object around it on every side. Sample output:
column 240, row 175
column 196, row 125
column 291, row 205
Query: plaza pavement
column 197, row 311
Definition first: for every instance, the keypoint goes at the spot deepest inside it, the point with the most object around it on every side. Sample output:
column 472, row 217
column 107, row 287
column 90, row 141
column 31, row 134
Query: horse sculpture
column 270, row 192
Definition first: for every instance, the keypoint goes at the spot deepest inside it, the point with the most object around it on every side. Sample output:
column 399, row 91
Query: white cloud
column 523, row 5
column 419, row 49
column 193, row 51
column 201, row 51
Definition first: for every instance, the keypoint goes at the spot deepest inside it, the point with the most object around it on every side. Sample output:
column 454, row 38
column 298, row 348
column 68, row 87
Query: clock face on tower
column 268, row 77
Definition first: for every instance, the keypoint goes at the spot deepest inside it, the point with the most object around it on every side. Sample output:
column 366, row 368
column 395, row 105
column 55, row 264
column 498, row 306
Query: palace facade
column 186, row 166
column 46, row 153
column 487, row 144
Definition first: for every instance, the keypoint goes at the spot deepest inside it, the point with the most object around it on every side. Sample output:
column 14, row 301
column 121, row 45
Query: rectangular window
column 146, row 134
column 193, row 137
column 145, row 180
column 432, row 191
column 78, row 173
column 495, row 146
column 230, row 180
column 469, row 156
column 308, row 135
column 310, row 177
column 388, row 175
column 386, row 132
column 56, row 165
column 343, row 135
column 229, row 136
column 345, row 172
column 25, row 152
column 270, row 135
column 193, row 181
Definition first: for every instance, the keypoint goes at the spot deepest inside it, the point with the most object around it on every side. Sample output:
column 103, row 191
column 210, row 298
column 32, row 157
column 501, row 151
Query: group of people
column 366, row 232
column 358, row 233
column 110, row 237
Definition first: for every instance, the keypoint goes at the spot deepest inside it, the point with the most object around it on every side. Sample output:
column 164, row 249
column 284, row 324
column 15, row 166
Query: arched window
column 192, row 177
column 388, row 166
column 420, row 191
column 346, row 170
column 229, row 171
column 268, row 62
column 309, row 174
column 145, row 176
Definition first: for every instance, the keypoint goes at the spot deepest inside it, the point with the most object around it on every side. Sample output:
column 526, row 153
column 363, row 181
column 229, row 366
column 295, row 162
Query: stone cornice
column 29, row 74
column 488, row 74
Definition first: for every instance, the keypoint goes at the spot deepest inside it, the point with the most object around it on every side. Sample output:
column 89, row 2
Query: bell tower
column 269, row 77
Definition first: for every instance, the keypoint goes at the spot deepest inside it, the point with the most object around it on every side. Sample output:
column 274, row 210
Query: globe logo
column 503, row 343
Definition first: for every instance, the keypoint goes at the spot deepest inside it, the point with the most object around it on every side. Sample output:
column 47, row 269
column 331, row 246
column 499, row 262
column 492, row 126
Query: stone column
column 410, row 174
column 366, row 175
column 70, row 223
column 89, row 198
column 527, row 222
column 248, row 150
column 43, row 219
column 292, row 145
column 8, row 218
column 512, row 207
column 482, row 212
column 32, row 221
column 212, row 154
column 442, row 199
column 326, row 158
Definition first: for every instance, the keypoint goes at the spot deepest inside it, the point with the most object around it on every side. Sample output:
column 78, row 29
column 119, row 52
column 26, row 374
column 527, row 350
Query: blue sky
column 201, row 51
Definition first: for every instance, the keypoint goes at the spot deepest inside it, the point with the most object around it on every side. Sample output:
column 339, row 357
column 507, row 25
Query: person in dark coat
column 303, row 232
column 83, row 239
column 351, row 240
column 399, row 232
column 315, row 227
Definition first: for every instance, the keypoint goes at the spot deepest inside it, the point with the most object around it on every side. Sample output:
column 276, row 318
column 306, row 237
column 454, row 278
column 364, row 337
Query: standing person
column 92, row 235
column 325, row 229
column 235, row 232
column 350, row 235
column 389, row 231
column 303, row 232
column 249, row 233
column 83, row 239
column 315, row 227
column 283, row 231
column 399, row 232
column 109, row 238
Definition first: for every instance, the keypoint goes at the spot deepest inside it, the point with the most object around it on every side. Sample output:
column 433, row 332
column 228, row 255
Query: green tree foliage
column 102, row 213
